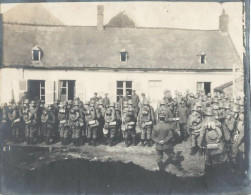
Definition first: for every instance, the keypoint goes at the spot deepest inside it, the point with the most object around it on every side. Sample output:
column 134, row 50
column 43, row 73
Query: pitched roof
column 86, row 47
column 30, row 13
column 223, row 86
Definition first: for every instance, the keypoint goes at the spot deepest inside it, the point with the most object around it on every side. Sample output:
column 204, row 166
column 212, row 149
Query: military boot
column 148, row 143
column 193, row 151
column 127, row 142
column 105, row 140
column 134, row 141
column 95, row 142
column 142, row 142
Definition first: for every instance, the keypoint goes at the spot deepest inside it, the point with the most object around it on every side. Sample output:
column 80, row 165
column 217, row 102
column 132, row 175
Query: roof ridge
column 51, row 25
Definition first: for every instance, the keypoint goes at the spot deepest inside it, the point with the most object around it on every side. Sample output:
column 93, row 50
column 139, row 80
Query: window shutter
column 112, row 87
column 49, row 92
column 22, row 88
column 80, row 90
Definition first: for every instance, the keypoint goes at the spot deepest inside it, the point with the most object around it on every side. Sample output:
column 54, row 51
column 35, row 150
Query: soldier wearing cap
column 183, row 114
column 5, row 124
column 211, row 138
column 127, row 97
column 237, row 148
column 194, row 125
column 92, row 124
column 76, row 123
column 64, row 126
column 118, row 117
column 128, row 124
column 106, row 101
column 145, row 122
column 95, row 97
column 163, row 136
column 31, row 123
column 15, row 121
column 110, row 129
column 48, row 121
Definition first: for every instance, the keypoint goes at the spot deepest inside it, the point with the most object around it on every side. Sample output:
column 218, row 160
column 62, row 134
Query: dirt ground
column 185, row 166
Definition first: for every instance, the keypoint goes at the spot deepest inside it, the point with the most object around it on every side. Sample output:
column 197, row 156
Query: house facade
column 53, row 62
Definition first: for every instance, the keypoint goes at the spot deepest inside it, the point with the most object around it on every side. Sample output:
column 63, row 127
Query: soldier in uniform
column 194, row 125
column 128, row 123
column 145, row 122
column 110, row 129
column 106, row 101
column 162, row 136
column 48, row 121
column 211, row 139
column 100, row 111
column 15, row 122
column 183, row 114
column 95, row 98
column 64, row 126
column 76, row 124
column 31, row 123
column 135, row 102
column 92, row 125
column 5, row 124
column 118, row 117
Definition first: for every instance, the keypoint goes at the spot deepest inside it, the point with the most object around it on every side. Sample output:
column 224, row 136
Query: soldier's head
column 143, row 94
column 162, row 103
column 95, row 94
column 198, row 105
column 183, row 102
column 208, row 112
column 125, row 104
column 92, row 105
column 127, row 93
column 133, row 92
column 50, row 107
column 87, row 104
column 194, row 108
column 117, row 106
column 76, row 104
column 33, row 104
column 100, row 103
column 129, row 103
column 26, row 103
column 167, row 94
column 209, row 95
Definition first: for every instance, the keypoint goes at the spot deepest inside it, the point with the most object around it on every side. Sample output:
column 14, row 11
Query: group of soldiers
column 214, row 124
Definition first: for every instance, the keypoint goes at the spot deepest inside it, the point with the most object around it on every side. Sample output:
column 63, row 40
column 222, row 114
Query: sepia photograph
column 129, row 97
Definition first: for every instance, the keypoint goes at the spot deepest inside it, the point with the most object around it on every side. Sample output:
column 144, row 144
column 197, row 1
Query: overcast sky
column 183, row 15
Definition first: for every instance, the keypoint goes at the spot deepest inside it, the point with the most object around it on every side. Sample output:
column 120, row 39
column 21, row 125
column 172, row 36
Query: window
column 123, row 56
column 36, row 54
column 66, row 90
column 36, row 89
column 204, row 86
column 123, row 87
column 202, row 58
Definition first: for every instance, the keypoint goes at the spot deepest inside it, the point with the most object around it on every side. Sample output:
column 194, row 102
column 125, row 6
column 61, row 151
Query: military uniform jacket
column 183, row 114
column 162, row 131
column 48, row 119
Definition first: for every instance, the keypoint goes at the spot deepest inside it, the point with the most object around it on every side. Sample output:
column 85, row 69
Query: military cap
column 26, row 101
column 95, row 93
column 76, row 103
column 208, row 111
column 236, row 108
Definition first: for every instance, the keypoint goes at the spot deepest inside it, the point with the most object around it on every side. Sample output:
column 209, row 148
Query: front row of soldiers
column 91, row 122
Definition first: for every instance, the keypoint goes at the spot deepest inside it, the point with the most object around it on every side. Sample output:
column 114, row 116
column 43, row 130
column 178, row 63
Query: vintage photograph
column 123, row 97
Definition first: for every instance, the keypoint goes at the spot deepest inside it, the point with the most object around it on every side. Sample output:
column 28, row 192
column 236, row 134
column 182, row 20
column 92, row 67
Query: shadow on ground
column 75, row 176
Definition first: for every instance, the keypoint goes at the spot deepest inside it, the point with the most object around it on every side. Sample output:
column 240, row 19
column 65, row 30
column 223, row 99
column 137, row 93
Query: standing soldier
column 194, row 125
column 100, row 111
column 14, row 119
column 145, row 122
column 76, row 124
column 110, row 125
column 161, row 110
column 31, row 122
column 128, row 123
column 118, row 110
column 211, row 139
column 40, row 108
column 48, row 124
column 5, row 128
column 163, row 136
column 92, row 125
column 135, row 102
column 126, row 98
column 183, row 114
column 106, row 101
column 64, row 126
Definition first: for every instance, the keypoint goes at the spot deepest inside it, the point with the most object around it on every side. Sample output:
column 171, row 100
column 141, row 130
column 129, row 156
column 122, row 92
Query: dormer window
column 36, row 54
column 123, row 55
column 202, row 58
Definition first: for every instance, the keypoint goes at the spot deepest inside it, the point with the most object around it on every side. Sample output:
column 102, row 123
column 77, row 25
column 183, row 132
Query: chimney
column 100, row 17
column 223, row 22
